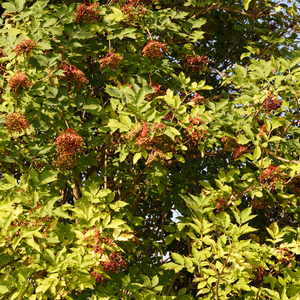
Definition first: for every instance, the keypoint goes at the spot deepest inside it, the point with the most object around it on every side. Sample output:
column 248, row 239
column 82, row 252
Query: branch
column 283, row 159
column 172, row 283
column 217, row 97
column 10, row 263
column 7, row 295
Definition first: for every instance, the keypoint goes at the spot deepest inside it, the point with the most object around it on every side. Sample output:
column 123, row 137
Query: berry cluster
column 98, row 276
column 221, row 205
column 286, row 256
column 16, row 123
column 193, row 131
column 96, row 240
column 74, row 76
column 272, row 103
column 154, row 50
column 239, row 151
column 196, row 63
column 66, row 145
column 19, row 80
column 134, row 132
column 259, row 274
column 197, row 98
column 158, row 128
column 114, row 262
column 134, row 10
column 143, row 139
column 111, row 61
column 262, row 129
column 229, row 142
column 25, row 47
column 87, row 13
column 270, row 177
column 156, row 156
column 65, row 162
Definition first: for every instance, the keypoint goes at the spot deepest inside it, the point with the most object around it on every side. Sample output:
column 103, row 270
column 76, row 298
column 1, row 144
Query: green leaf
column 180, row 158
column 48, row 176
column 154, row 281
column 30, row 242
column 241, row 139
column 19, row 4
column 50, row 22
column 82, row 35
column 9, row 7
column 246, row 4
column 178, row 258
column 257, row 152
column 92, row 105
column 136, row 157
column 246, row 215
column 61, row 213
column 115, row 223
column 34, row 176
column 113, row 91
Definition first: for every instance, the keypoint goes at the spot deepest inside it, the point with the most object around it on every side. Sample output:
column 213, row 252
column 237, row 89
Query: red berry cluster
column 87, row 13
column 196, row 62
column 111, row 61
column 272, row 103
column 156, row 156
column 239, row 151
column 134, row 132
column 158, row 128
column 25, row 47
column 198, row 98
column 66, row 145
column 74, row 76
column 16, row 123
column 229, row 142
column 143, row 139
column 258, row 274
column 221, row 205
column 193, row 131
column 96, row 240
column 154, row 50
column 270, row 177
column 19, row 80
column 64, row 162
column 98, row 276
column 262, row 129
column 114, row 263
column 134, row 10
column 286, row 256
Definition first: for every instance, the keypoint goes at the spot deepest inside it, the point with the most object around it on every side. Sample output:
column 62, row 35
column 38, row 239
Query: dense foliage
column 149, row 150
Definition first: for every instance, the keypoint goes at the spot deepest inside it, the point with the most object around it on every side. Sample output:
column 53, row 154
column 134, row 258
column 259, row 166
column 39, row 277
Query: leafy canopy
column 149, row 150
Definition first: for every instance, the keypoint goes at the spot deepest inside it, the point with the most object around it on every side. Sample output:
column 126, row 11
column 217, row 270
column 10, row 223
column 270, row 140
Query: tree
column 149, row 150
